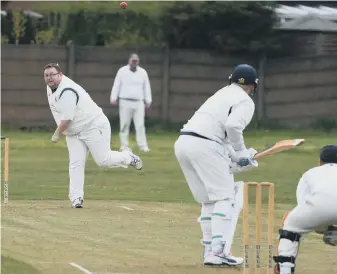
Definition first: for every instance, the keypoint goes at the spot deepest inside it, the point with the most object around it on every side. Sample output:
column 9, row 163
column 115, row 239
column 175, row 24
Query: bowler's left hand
column 55, row 138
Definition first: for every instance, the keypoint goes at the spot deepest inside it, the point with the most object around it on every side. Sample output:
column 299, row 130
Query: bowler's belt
column 130, row 99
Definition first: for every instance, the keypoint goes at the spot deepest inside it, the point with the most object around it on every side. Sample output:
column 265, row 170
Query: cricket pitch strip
column 128, row 237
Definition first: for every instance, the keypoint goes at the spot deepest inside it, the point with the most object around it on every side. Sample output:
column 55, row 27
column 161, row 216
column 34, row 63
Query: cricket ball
column 123, row 5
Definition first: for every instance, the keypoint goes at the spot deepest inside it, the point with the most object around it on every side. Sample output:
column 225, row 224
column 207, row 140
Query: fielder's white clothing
column 316, row 206
column 205, row 163
column 133, row 90
column 132, row 85
column 316, row 193
column 88, row 131
column 132, row 111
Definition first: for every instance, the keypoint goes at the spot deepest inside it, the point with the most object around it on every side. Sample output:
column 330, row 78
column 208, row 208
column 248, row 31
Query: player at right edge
column 208, row 148
column 316, row 210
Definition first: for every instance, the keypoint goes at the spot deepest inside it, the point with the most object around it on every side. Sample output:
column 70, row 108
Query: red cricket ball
column 123, row 5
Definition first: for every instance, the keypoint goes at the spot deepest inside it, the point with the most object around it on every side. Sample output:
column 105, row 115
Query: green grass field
column 134, row 222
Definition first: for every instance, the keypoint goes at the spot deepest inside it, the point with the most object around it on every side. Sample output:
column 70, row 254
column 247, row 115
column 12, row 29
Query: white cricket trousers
column 132, row 110
column 96, row 140
column 316, row 214
column 205, row 165
column 206, row 169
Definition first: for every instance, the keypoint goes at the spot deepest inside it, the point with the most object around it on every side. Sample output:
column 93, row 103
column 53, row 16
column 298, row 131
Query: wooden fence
column 293, row 91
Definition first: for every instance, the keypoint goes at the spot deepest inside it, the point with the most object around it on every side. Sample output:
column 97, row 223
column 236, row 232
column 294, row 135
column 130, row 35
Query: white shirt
column 226, row 113
column 316, row 181
column 131, row 85
column 75, row 106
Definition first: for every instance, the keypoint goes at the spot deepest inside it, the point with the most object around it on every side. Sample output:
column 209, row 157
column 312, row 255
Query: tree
column 19, row 22
column 235, row 27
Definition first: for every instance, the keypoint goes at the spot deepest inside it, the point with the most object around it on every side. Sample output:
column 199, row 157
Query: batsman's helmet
column 244, row 75
column 328, row 154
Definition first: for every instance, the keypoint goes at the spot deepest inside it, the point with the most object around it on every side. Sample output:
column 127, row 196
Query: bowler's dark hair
column 52, row 65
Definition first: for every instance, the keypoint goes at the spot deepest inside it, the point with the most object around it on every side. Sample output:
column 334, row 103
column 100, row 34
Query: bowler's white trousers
column 96, row 140
column 132, row 110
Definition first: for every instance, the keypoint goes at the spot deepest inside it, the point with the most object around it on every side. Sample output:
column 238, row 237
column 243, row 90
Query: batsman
column 316, row 210
column 208, row 149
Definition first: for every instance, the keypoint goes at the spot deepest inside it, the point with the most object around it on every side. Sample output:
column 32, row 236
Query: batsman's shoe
column 136, row 162
column 77, row 203
column 222, row 259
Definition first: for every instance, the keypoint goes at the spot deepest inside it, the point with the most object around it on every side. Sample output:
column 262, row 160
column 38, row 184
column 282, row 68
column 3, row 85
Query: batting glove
column 235, row 167
column 246, row 153
column 242, row 155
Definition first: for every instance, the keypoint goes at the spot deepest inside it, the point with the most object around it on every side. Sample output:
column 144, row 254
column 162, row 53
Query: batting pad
column 221, row 224
column 236, row 210
column 205, row 223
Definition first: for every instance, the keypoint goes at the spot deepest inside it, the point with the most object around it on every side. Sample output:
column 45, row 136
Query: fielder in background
column 208, row 149
column 86, row 128
column 316, row 210
column 132, row 91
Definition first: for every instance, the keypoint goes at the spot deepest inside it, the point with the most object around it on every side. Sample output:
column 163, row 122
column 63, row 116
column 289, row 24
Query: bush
column 325, row 124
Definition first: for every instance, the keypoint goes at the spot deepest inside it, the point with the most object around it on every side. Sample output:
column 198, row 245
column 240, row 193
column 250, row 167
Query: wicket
column 5, row 170
column 258, row 214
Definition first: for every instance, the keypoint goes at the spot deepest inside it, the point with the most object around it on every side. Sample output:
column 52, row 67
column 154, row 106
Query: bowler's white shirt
column 131, row 85
column 321, row 180
column 81, row 114
column 212, row 119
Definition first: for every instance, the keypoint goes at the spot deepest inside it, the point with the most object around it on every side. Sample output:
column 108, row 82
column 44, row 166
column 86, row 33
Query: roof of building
column 304, row 18
column 287, row 12
column 29, row 13
column 309, row 23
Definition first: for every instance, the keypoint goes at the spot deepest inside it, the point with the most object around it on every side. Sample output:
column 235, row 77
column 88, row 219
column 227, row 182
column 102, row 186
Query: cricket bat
column 275, row 148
